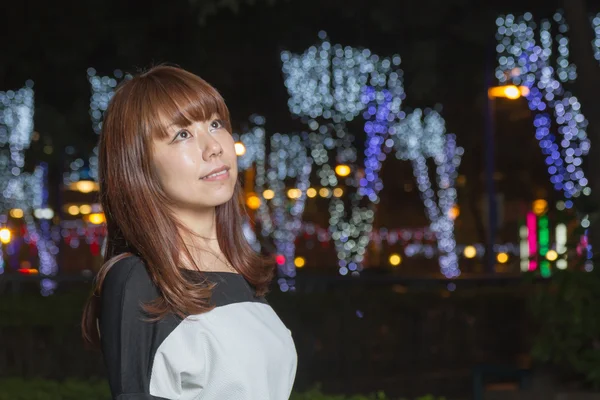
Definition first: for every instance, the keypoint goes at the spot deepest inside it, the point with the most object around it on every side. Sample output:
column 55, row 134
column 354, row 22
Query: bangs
column 176, row 97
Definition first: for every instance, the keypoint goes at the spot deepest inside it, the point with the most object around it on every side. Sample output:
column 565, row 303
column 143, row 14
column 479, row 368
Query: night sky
column 446, row 48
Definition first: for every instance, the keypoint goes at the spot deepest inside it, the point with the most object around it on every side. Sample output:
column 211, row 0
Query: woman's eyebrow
column 172, row 125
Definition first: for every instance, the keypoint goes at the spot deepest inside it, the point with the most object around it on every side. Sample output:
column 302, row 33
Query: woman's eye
column 216, row 124
column 183, row 134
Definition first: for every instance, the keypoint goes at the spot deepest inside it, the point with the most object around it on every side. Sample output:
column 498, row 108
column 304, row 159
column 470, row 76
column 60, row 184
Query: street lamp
column 510, row 92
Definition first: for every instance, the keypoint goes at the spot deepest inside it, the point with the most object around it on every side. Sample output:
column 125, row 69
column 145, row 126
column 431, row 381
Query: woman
column 179, row 308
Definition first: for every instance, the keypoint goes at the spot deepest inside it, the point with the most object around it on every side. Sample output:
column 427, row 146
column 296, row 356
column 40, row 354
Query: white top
column 239, row 350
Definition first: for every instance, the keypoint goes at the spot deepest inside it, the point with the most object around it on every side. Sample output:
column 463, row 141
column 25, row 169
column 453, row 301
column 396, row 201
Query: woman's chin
column 217, row 199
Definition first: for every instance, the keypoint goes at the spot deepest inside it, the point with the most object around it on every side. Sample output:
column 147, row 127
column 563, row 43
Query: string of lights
column 522, row 61
column 420, row 136
column 596, row 42
column 26, row 192
column 103, row 89
column 326, row 87
column 280, row 211
column 326, row 82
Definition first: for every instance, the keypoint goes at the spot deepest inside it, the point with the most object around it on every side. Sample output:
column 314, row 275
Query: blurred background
column 422, row 172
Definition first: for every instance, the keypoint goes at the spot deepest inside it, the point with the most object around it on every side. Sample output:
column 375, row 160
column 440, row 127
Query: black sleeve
column 126, row 337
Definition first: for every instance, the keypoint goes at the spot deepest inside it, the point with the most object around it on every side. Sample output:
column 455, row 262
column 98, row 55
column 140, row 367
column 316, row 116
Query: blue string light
column 381, row 111
column 330, row 85
column 326, row 85
column 562, row 136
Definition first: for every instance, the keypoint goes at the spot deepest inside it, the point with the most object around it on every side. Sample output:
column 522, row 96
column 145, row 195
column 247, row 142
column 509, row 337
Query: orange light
column 240, row 149
column 268, row 194
column 73, row 210
column 342, row 170
column 502, row 258
column 5, row 235
column 395, row 259
column 299, row 262
column 511, row 92
column 16, row 213
column 253, row 202
column 97, row 218
column 28, row 271
column 84, row 186
column 454, row 212
column 470, row 252
column 551, row 255
column 324, row 192
column 294, row 193
column 540, row 206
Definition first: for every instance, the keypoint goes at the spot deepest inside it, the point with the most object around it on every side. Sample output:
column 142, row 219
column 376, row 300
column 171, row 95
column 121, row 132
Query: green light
column 544, row 235
column 544, row 241
column 545, row 269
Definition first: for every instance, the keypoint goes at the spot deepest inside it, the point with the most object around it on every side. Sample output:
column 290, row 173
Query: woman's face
column 188, row 155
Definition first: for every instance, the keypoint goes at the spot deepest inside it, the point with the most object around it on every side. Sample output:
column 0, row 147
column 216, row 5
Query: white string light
column 26, row 191
column 522, row 61
column 335, row 84
column 326, row 85
column 102, row 88
column 280, row 216
column 596, row 41
column 416, row 139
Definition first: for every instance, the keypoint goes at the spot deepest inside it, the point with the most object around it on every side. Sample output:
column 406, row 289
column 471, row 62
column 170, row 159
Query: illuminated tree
column 22, row 192
column 281, row 181
column 330, row 85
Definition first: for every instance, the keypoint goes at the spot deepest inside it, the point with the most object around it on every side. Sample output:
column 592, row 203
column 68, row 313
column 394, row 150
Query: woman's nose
column 212, row 148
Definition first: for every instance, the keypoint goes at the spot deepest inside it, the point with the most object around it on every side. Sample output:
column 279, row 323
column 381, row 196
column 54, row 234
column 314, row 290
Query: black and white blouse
column 240, row 350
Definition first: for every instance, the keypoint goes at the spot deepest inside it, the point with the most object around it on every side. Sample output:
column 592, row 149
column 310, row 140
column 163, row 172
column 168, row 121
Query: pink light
column 532, row 239
column 582, row 246
column 280, row 259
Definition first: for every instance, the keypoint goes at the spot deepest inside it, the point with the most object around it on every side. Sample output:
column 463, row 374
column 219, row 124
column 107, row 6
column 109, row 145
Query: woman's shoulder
column 129, row 276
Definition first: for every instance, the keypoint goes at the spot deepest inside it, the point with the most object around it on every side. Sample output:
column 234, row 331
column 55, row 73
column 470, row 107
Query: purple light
column 546, row 92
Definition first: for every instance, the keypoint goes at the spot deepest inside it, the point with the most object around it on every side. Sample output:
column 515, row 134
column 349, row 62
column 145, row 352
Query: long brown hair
column 136, row 207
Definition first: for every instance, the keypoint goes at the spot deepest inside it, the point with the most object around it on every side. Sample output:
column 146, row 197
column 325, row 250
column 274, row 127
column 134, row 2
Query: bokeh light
column 395, row 259
column 470, row 252
column 5, row 235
